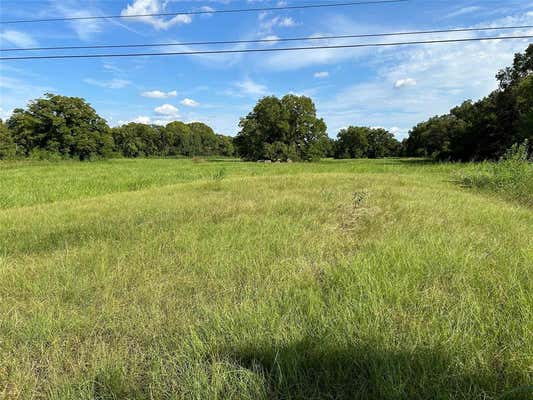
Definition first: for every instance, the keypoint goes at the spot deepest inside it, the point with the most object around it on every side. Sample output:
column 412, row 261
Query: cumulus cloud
column 189, row 102
column 158, row 94
column 166, row 109
column 17, row 38
column 140, row 7
column 110, row 84
column 400, row 83
column 321, row 74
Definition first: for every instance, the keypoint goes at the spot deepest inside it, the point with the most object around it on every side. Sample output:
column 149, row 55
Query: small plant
column 219, row 175
column 359, row 198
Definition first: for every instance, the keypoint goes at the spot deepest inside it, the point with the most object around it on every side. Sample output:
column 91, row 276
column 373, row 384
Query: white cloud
column 463, row 11
column 189, row 102
column 321, row 74
column 158, row 94
column 400, row 83
column 207, row 9
column 142, row 119
column 111, row 84
column 397, row 132
column 85, row 29
column 4, row 114
column 17, row 38
column 166, row 109
column 139, row 7
column 266, row 25
column 249, row 87
column 272, row 39
column 287, row 22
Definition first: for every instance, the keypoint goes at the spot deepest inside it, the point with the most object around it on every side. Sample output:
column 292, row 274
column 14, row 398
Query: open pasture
column 174, row 279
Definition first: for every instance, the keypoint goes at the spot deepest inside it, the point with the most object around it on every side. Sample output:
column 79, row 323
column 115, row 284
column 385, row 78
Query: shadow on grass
column 305, row 370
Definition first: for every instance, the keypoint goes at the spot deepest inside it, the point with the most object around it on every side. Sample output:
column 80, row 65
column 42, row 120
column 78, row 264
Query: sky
column 390, row 87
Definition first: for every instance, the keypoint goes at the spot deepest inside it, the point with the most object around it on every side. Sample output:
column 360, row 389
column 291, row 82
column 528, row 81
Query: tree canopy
column 67, row 126
column 364, row 142
column 282, row 129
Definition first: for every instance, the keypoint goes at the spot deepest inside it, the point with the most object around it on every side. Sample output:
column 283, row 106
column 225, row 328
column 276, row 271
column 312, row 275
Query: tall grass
column 511, row 177
column 337, row 280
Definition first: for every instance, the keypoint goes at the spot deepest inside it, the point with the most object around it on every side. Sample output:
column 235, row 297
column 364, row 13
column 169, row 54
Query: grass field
column 173, row 279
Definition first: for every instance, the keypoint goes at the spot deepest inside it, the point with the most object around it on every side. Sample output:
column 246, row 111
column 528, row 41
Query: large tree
column 60, row 125
column 285, row 128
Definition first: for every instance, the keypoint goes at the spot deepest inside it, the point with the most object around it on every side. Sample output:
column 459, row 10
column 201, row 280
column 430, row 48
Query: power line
column 106, row 46
column 234, row 10
column 229, row 51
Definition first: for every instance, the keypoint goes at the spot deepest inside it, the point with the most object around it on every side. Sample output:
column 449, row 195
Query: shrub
column 511, row 176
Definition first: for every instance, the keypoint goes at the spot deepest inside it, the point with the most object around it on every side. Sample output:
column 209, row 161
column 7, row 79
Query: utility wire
column 110, row 46
column 234, row 10
column 229, row 51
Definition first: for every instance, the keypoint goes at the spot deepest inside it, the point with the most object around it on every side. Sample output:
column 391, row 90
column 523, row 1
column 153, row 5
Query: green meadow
column 220, row 279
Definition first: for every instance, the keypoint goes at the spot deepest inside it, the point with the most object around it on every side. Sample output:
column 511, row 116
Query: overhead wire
column 262, row 50
column 210, row 11
column 270, row 40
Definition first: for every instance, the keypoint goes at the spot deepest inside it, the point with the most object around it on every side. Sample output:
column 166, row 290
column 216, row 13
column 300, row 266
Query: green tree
column 204, row 139
column 352, row 142
column 7, row 145
column 180, row 139
column 137, row 140
column 283, row 129
column 358, row 142
column 381, row 143
column 61, row 126
column 225, row 146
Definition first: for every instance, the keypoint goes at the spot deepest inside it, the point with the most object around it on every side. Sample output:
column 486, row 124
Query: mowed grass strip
column 307, row 283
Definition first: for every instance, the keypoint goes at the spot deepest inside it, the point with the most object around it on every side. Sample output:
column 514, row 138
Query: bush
column 511, row 176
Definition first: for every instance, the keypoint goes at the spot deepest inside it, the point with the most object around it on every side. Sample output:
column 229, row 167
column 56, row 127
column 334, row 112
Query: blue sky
column 389, row 87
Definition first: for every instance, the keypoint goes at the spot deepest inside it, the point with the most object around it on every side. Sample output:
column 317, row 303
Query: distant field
column 174, row 279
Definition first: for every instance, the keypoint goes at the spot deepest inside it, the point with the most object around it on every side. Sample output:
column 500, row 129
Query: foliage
column 511, row 177
column 285, row 128
column 137, row 140
column 176, row 138
column 61, row 126
column 484, row 129
column 7, row 144
column 363, row 142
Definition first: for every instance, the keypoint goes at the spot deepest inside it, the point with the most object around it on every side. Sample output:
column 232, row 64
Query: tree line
column 68, row 127
column 279, row 129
